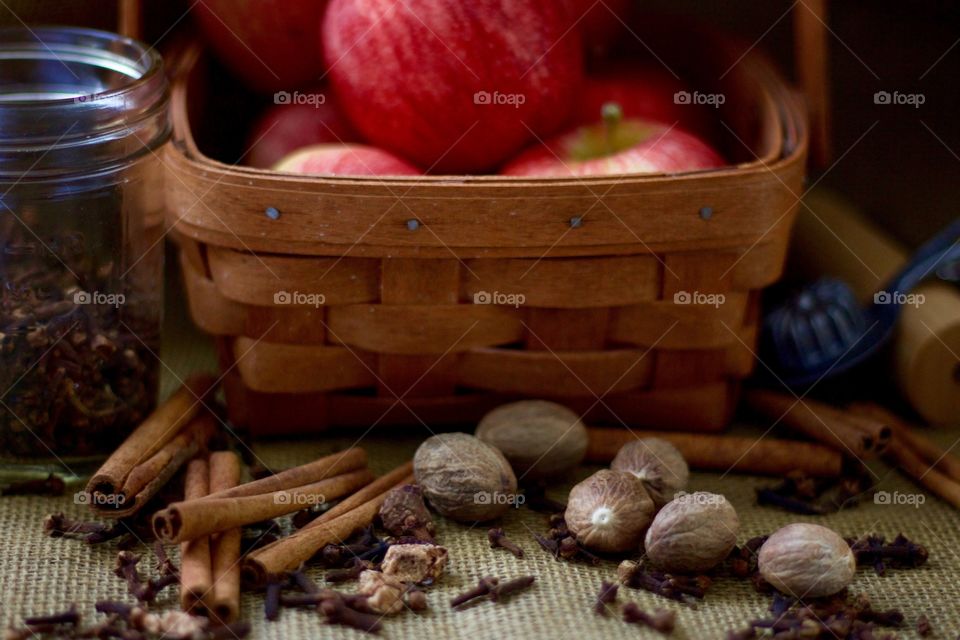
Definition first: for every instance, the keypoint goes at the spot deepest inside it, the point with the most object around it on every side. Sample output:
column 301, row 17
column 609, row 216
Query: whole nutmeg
column 694, row 532
column 541, row 439
column 807, row 561
column 609, row 511
column 658, row 463
column 464, row 478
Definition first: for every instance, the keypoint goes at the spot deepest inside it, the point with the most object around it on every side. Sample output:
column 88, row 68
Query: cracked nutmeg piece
column 694, row 532
column 658, row 463
column 415, row 563
column 403, row 513
column 464, row 478
column 609, row 511
column 807, row 561
column 384, row 593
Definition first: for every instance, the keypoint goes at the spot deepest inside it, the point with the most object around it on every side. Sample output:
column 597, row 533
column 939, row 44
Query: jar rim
column 32, row 35
column 75, row 99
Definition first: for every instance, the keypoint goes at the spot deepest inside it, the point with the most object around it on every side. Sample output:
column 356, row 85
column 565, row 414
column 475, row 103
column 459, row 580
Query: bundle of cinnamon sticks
column 178, row 430
column 863, row 431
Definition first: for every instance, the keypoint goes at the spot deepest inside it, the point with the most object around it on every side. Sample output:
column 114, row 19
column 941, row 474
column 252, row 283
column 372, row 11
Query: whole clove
column 661, row 620
column 57, row 525
column 337, row 612
column 404, row 513
column 52, row 485
column 550, row 546
column 607, row 595
column 69, row 617
column 498, row 538
column 484, row 587
column 271, row 603
column 511, row 587
column 143, row 590
column 873, row 551
column 494, row 589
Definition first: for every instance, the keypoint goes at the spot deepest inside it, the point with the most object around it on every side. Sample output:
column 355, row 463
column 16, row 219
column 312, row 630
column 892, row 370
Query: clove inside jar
column 83, row 115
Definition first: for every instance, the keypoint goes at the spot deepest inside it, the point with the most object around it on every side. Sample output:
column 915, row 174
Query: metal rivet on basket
column 706, row 212
column 576, row 221
column 413, row 224
column 273, row 213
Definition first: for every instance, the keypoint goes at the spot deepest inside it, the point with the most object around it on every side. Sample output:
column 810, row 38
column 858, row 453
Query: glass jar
column 83, row 115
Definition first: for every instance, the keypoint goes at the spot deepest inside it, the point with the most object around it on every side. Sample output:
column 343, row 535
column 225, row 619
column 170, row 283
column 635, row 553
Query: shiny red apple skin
column 269, row 44
column 661, row 150
column 345, row 160
column 645, row 91
column 410, row 75
column 284, row 128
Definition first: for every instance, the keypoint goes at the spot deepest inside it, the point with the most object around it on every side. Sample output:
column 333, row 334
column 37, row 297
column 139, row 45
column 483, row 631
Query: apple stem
column 612, row 114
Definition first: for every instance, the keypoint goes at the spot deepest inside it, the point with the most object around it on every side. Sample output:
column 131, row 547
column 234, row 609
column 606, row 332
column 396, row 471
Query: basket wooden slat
column 587, row 272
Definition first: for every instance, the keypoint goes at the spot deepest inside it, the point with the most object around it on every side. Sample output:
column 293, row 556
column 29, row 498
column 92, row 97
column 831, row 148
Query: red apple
column 456, row 86
column 602, row 24
column 616, row 147
column 345, row 160
column 284, row 128
column 269, row 44
column 645, row 91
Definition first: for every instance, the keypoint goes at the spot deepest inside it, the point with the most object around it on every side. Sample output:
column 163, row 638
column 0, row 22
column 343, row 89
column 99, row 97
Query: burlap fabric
column 42, row 575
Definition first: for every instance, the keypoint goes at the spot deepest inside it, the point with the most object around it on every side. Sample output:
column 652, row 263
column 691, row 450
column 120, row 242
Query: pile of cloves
column 901, row 553
column 128, row 622
column 562, row 544
column 351, row 610
column 837, row 617
column 799, row 493
column 681, row 588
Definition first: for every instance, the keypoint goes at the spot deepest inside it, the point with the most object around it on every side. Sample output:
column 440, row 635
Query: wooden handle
column 840, row 242
column 810, row 51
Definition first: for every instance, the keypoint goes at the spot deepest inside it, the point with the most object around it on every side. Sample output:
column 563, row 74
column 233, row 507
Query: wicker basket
column 404, row 266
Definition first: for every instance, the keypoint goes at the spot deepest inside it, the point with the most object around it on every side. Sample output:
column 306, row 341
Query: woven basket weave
column 634, row 299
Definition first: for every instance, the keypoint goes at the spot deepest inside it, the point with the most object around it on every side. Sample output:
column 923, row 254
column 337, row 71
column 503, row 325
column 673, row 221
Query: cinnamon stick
column 152, row 453
column 288, row 553
column 907, row 434
column 196, row 576
column 763, row 456
column 382, row 484
column 845, row 431
column 192, row 519
column 334, row 464
column 936, row 482
column 225, row 547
